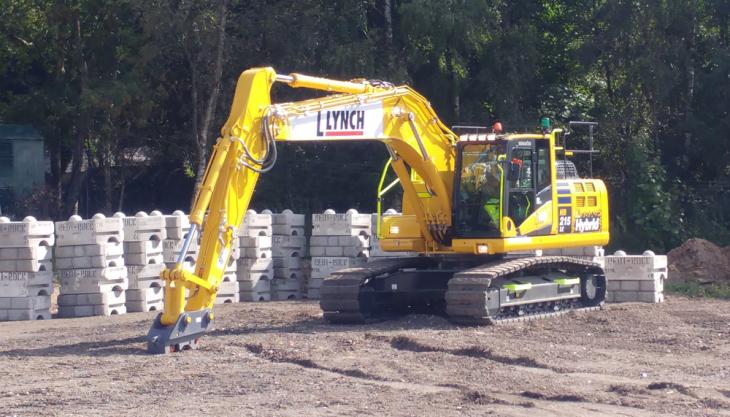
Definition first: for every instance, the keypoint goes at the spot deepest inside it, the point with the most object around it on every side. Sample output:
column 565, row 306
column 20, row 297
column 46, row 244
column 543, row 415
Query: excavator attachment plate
column 183, row 335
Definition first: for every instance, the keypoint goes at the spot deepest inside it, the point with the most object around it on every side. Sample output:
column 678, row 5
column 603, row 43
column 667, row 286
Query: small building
column 22, row 158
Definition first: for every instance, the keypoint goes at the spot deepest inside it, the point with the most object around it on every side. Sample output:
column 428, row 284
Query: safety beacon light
column 545, row 123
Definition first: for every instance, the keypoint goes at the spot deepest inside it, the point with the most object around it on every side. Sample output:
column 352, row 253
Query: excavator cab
column 501, row 178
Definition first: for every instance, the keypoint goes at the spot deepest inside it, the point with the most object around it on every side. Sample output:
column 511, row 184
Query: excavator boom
column 422, row 153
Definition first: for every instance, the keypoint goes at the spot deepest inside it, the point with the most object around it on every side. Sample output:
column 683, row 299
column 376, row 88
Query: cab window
column 481, row 181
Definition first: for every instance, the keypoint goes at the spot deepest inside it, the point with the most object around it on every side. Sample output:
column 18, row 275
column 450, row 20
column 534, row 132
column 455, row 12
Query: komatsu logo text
column 341, row 123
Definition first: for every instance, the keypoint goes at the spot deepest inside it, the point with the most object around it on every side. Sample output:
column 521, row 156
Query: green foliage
column 694, row 289
column 113, row 80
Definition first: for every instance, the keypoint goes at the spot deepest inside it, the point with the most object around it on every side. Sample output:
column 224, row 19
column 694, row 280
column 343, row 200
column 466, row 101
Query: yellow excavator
column 468, row 200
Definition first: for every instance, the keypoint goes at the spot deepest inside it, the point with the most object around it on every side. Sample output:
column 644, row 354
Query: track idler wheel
column 592, row 290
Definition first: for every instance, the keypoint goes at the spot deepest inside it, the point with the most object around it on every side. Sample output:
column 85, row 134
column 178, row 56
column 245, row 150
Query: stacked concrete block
column 289, row 246
column 255, row 265
column 376, row 252
column 228, row 289
column 338, row 241
column 323, row 266
column 26, row 276
column 90, row 264
column 143, row 255
column 636, row 277
column 177, row 227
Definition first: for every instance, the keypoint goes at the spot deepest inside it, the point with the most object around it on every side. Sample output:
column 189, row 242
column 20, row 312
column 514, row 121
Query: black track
column 349, row 296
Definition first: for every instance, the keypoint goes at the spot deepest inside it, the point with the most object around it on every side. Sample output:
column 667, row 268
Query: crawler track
column 348, row 297
column 468, row 296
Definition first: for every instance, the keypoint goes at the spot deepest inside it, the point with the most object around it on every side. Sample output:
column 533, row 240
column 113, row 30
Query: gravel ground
column 282, row 359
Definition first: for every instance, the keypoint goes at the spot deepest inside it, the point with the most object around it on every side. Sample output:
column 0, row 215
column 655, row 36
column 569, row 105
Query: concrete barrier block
column 143, row 306
column 254, row 277
column 291, row 262
column 25, row 284
column 142, row 227
column 77, row 251
column 171, row 258
column 286, row 295
column 90, row 262
column 315, row 283
column 334, row 251
column 251, row 296
column 89, row 311
column 228, row 292
column 188, row 265
column 313, row 294
column 292, row 273
column 144, row 276
column 25, row 265
column 626, row 285
column 175, row 246
column 347, row 224
column 262, row 242
column 655, row 285
column 27, row 314
column 28, row 233
column 262, row 284
column 92, row 280
column 39, row 253
column 288, row 253
column 256, row 265
column 288, row 218
column 145, row 294
column 143, row 259
column 225, row 299
column 177, row 225
column 98, row 230
column 256, row 225
column 321, row 241
column 107, row 298
column 145, row 247
column 289, row 242
column 318, row 251
column 359, row 242
column 613, row 285
column 356, row 242
column 650, row 297
column 253, row 219
column 142, row 300
column 256, row 253
column 287, row 230
column 285, row 284
column 38, row 302
column 632, row 267
column 625, row 296
column 324, row 266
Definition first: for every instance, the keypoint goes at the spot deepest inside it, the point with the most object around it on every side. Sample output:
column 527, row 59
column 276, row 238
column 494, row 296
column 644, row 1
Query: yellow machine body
column 424, row 154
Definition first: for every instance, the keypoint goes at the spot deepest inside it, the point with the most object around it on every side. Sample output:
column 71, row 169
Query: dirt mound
column 699, row 260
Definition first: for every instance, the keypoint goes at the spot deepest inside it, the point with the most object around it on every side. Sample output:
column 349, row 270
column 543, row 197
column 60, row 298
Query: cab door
column 528, row 192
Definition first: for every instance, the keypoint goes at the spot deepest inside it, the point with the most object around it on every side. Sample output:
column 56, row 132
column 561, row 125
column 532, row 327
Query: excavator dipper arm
column 421, row 147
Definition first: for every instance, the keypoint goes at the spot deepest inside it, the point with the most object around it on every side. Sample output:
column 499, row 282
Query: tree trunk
column 203, row 133
column 77, row 176
column 107, row 180
column 388, row 13
column 122, row 188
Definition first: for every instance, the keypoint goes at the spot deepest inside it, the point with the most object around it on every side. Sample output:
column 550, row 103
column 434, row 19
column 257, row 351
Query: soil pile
column 699, row 260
